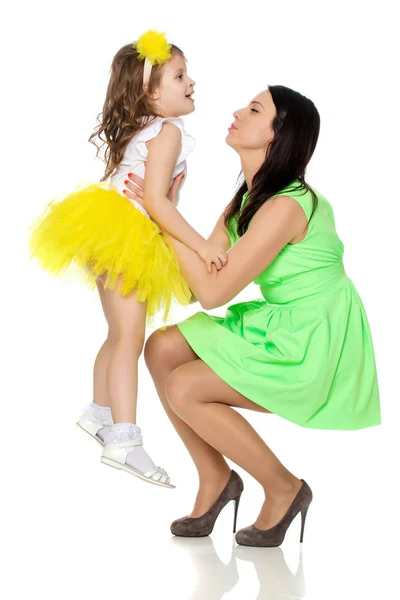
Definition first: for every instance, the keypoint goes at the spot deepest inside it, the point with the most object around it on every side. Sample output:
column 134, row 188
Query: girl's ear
column 154, row 96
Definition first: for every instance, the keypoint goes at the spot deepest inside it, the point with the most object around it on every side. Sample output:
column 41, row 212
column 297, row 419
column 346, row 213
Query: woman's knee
column 179, row 391
column 159, row 344
column 167, row 348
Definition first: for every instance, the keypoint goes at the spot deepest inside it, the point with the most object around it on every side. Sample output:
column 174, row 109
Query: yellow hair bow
column 153, row 48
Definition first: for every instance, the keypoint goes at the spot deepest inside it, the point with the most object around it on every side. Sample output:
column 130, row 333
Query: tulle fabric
column 95, row 231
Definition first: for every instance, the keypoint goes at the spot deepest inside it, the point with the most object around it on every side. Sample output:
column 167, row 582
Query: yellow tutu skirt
column 95, row 231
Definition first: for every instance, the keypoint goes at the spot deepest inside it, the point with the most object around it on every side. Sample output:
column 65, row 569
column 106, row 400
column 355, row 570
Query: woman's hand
column 135, row 188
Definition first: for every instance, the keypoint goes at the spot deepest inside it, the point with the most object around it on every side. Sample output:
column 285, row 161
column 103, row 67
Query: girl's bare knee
column 128, row 340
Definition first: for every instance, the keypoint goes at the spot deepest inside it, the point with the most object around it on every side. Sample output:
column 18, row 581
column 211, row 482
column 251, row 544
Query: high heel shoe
column 252, row 536
column 202, row 526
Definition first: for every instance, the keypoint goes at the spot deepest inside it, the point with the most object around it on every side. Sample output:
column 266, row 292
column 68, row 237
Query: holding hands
column 213, row 255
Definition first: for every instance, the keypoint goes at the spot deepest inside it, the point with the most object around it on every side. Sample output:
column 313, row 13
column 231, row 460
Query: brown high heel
column 202, row 526
column 252, row 536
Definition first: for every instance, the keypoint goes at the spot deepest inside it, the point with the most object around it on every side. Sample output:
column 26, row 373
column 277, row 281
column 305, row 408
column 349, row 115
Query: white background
column 73, row 528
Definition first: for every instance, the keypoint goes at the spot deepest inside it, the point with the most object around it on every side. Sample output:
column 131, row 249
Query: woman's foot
column 209, row 490
column 203, row 525
column 276, row 505
column 271, row 526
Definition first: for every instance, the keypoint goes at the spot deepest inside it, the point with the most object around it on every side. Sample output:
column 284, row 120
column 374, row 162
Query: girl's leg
column 100, row 394
column 127, row 320
column 165, row 350
column 99, row 410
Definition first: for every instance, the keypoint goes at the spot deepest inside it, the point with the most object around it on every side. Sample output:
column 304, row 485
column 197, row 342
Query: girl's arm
column 163, row 152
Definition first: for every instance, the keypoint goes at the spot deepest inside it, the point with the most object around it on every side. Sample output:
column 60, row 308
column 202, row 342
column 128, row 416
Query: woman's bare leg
column 165, row 350
column 207, row 404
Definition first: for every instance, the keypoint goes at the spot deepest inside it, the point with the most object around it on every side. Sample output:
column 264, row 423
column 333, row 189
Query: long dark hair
column 125, row 104
column 296, row 130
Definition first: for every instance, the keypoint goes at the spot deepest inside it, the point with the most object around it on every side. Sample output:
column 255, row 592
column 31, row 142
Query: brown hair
column 296, row 128
column 125, row 104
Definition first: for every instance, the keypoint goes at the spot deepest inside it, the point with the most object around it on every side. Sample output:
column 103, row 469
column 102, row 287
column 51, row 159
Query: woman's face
column 252, row 127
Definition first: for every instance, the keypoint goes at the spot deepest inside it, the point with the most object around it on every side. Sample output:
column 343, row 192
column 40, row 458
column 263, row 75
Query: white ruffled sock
column 137, row 458
column 101, row 415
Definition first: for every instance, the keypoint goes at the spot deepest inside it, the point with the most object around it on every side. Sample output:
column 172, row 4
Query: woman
column 305, row 352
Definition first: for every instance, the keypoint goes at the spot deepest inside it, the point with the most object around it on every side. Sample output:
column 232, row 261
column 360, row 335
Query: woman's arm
column 219, row 235
column 272, row 227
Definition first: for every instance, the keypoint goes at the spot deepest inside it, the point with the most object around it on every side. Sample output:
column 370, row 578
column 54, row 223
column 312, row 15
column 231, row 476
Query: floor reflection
column 214, row 578
column 277, row 582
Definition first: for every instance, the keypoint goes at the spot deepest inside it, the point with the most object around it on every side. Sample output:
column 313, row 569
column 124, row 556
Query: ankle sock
column 137, row 458
column 98, row 414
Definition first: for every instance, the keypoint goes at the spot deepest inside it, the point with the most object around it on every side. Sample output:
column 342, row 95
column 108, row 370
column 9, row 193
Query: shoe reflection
column 277, row 582
column 214, row 578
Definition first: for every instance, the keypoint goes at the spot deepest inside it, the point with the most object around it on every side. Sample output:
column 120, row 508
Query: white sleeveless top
column 136, row 153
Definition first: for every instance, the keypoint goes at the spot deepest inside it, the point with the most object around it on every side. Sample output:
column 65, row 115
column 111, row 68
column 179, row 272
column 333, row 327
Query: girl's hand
column 213, row 255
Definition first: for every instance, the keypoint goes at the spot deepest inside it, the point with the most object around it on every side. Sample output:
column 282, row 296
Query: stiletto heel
column 202, row 526
column 303, row 522
column 237, row 500
column 252, row 536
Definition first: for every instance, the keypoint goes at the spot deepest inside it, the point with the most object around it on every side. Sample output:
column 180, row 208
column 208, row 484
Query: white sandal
column 114, row 455
column 91, row 429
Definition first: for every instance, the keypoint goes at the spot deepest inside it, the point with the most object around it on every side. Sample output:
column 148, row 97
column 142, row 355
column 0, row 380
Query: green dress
column 304, row 351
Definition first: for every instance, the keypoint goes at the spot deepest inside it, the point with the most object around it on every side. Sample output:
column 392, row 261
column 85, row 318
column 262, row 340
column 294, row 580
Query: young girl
column 115, row 243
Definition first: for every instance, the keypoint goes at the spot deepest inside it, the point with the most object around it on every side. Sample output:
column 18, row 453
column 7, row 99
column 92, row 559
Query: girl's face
column 252, row 127
column 175, row 93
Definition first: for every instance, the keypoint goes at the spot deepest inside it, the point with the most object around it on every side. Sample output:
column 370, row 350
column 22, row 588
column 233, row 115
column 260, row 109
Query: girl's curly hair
column 125, row 105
